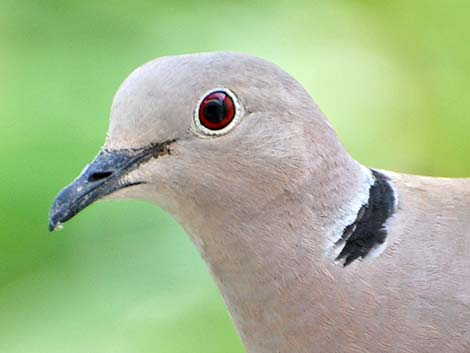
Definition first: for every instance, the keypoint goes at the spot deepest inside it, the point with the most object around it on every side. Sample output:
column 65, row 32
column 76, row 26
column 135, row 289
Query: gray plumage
column 267, row 204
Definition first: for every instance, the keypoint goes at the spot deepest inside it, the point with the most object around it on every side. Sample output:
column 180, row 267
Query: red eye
column 216, row 110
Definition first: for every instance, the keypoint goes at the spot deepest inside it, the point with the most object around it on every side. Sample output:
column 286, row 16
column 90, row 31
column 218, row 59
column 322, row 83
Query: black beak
column 100, row 178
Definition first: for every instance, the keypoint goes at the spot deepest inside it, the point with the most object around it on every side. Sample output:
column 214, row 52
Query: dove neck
column 271, row 264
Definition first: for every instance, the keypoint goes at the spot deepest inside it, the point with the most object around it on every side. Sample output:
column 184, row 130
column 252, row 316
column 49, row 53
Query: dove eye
column 216, row 111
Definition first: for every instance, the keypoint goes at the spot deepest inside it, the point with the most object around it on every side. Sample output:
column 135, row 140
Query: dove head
column 158, row 101
column 216, row 135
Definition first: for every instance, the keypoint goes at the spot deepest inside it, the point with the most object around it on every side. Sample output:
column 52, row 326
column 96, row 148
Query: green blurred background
column 392, row 76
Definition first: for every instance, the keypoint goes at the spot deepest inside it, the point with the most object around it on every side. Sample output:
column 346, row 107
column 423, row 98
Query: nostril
column 99, row 176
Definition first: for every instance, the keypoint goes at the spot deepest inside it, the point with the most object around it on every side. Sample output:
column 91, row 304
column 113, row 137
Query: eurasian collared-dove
column 312, row 251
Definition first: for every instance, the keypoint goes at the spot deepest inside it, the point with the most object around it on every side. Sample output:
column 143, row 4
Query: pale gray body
column 266, row 202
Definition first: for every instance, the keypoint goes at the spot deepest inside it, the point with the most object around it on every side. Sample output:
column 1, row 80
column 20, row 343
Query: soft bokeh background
column 393, row 77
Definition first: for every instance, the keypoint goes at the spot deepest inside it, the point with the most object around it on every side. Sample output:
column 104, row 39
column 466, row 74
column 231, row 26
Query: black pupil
column 215, row 111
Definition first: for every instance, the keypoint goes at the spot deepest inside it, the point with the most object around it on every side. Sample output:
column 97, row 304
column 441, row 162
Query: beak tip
column 52, row 227
column 54, row 223
column 57, row 215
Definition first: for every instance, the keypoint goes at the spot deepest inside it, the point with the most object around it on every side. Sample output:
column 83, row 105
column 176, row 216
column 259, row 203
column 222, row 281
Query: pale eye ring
column 217, row 112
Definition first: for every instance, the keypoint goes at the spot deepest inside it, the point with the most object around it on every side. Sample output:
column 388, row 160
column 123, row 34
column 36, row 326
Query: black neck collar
column 368, row 230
